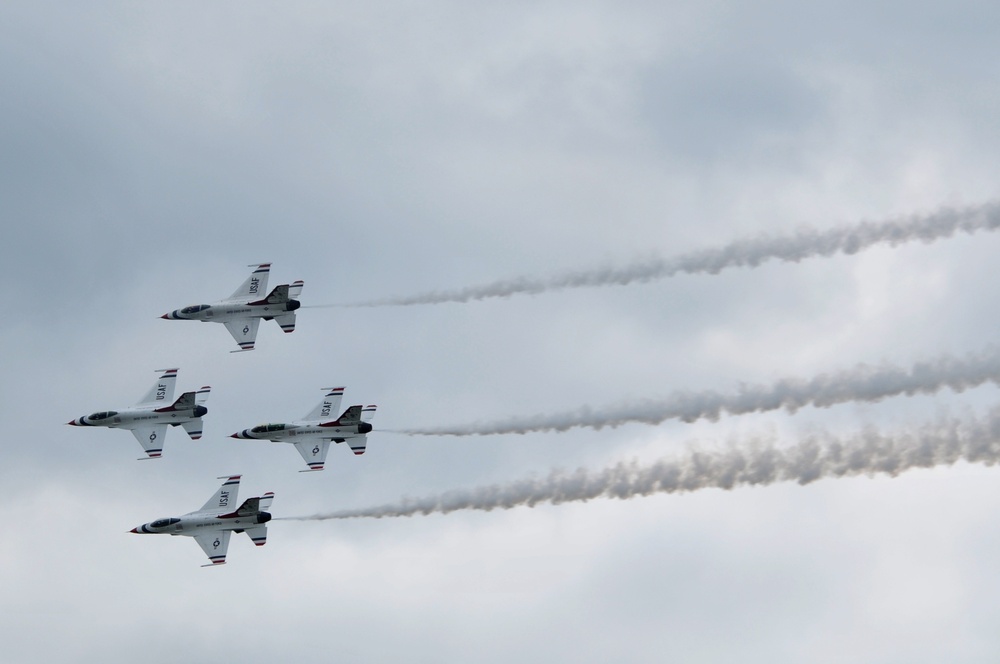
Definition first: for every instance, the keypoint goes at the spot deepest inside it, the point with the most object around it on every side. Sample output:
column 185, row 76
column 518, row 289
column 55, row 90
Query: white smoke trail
column 863, row 383
column 762, row 463
column 805, row 243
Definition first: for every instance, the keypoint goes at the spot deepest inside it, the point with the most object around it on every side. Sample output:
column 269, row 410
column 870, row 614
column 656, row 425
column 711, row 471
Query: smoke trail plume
column 862, row 383
column 762, row 463
column 805, row 243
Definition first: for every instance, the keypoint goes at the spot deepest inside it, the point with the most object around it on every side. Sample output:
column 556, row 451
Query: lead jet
column 212, row 525
column 313, row 434
column 242, row 311
column 148, row 419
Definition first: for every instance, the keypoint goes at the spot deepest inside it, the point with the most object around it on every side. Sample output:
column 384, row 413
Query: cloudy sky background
column 152, row 151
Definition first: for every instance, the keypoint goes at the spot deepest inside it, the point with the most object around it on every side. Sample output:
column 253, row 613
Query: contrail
column 862, row 383
column 805, row 243
column 759, row 464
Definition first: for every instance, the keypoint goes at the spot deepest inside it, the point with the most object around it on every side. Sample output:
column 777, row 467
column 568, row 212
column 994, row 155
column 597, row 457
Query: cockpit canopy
column 162, row 523
column 195, row 308
column 103, row 415
column 267, row 428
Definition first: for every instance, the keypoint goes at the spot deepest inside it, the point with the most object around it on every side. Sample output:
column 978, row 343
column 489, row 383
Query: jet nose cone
column 135, row 530
column 165, row 316
column 73, row 423
column 238, row 434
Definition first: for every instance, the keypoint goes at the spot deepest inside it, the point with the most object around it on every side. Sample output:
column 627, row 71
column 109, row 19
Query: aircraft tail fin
column 249, row 507
column 279, row 295
column 351, row 416
column 185, row 401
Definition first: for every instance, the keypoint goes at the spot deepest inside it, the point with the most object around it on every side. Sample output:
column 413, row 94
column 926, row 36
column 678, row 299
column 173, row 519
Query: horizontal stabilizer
column 193, row 428
column 266, row 500
column 201, row 396
column 295, row 289
column 358, row 443
column 286, row 322
column 367, row 413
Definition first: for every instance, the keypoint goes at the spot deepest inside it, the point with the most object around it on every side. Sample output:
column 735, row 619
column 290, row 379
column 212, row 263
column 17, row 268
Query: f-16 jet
column 313, row 434
column 212, row 525
column 148, row 419
column 242, row 311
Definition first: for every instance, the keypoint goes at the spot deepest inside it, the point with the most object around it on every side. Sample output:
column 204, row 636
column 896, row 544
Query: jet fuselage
column 282, row 432
column 197, row 522
column 221, row 312
column 132, row 418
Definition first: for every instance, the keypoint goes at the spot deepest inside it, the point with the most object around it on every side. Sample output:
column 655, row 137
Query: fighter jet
column 242, row 311
column 148, row 419
column 215, row 521
column 312, row 435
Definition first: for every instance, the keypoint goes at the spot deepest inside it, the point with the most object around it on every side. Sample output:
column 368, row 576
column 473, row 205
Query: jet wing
column 151, row 438
column 255, row 285
column 244, row 330
column 225, row 497
column 313, row 452
column 214, row 544
column 162, row 391
column 329, row 405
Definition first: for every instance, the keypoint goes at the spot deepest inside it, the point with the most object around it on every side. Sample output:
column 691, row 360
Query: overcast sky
column 151, row 151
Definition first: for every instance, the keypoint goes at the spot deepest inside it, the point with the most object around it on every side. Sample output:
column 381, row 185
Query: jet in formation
column 148, row 419
column 212, row 525
column 242, row 311
column 313, row 434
